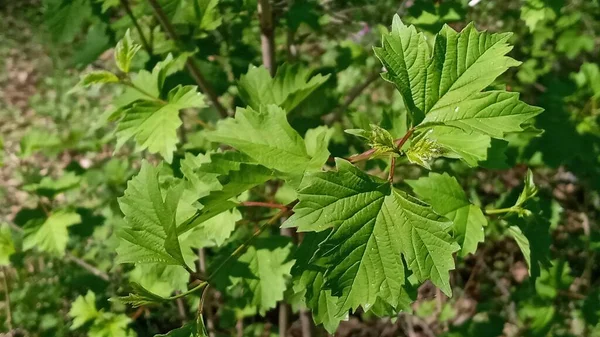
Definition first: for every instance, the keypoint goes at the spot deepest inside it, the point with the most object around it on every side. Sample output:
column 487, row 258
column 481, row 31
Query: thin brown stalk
column 267, row 35
column 93, row 270
column 392, row 169
column 190, row 64
column 306, row 323
column 262, row 204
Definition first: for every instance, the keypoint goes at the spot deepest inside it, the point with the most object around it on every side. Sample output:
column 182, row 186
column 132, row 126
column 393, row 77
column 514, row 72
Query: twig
column 267, row 35
column 262, row 204
column 7, row 299
column 283, row 318
column 147, row 47
column 367, row 154
column 239, row 327
column 93, row 270
column 400, row 143
column 306, row 322
column 191, row 66
column 181, row 309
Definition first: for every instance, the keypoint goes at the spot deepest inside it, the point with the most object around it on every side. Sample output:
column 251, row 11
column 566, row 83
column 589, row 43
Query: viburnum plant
column 365, row 241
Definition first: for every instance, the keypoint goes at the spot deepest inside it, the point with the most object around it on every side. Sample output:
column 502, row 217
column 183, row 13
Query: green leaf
column 7, row 247
column 160, row 279
column 291, row 85
column 153, row 124
column 111, row 325
column 125, row 52
column 139, row 297
column 529, row 189
column 98, row 77
column 472, row 147
column 532, row 236
column 214, row 231
column 65, row 18
column 83, row 310
column 51, row 234
column 192, row 329
column 267, row 137
column 262, row 272
column 151, row 234
column 447, row 198
column 219, row 179
column 309, row 280
column 374, row 226
column 493, row 113
column 444, row 86
column 50, row 187
column 534, row 12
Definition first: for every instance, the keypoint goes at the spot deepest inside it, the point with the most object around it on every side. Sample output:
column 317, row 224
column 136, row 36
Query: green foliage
column 233, row 201
column 446, row 197
column 50, row 234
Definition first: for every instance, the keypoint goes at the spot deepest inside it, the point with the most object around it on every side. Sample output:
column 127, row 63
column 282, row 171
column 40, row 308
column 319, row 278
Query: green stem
column 501, row 210
column 193, row 290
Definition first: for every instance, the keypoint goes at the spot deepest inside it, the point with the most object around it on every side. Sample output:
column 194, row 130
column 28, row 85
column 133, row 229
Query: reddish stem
column 401, row 141
column 392, row 169
column 263, row 204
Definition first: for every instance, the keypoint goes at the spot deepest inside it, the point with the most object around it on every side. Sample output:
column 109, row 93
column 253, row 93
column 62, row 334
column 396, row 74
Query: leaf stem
column 184, row 294
column 263, row 204
column 392, row 169
column 501, row 210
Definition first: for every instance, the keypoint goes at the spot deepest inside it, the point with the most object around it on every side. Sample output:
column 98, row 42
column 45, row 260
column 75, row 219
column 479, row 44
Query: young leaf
column 267, row 137
column 125, row 52
column 363, row 252
column 472, row 147
column 83, row 310
column 98, row 77
column 447, row 198
column 154, row 124
column 50, row 235
column 290, row 86
column 151, row 234
column 139, row 297
column 529, row 190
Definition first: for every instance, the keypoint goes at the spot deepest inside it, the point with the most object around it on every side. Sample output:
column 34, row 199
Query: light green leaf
column 262, row 272
column 534, row 12
column 153, row 124
column 111, row 325
column 151, row 234
column 493, row 113
column 470, row 147
column 447, row 198
column 218, row 180
column 530, row 190
column 268, row 138
column 98, row 77
column 291, row 85
column 50, row 187
column 125, row 52
column 50, row 235
column 374, row 226
column 7, row 247
column 83, row 310
column 214, row 231
column 160, row 279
